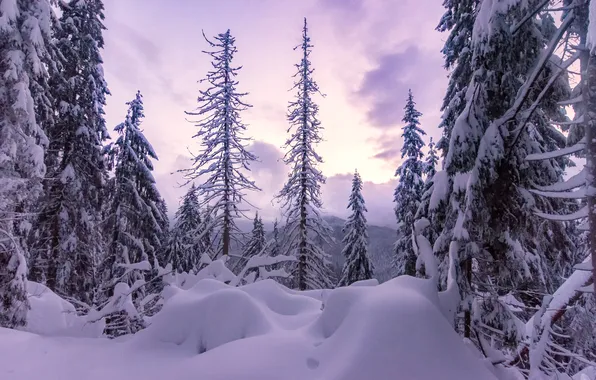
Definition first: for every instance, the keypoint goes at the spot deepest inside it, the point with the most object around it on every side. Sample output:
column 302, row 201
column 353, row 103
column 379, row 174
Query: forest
column 496, row 221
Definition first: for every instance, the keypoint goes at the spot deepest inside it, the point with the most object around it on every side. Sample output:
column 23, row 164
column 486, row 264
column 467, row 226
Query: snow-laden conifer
column 458, row 20
column 428, row 217
column 495, row 241
column 256, row 244
column 301, row 195
column 184, row 248
column 409, row 189
column 223, row 161
column 25, row 31
column 276, row 240
column 67, row 240
column 431, row 160
column 357, row 265
column 134, row 221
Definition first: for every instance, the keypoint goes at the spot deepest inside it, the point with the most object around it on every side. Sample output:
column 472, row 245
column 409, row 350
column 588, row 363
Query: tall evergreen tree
column 25, row 31
column 301, row 194
column 66, row 240
column 458, row 20
column 409, row 188
column 358, row 265
column 134, row 221
column 223, row 159
column 496, row 244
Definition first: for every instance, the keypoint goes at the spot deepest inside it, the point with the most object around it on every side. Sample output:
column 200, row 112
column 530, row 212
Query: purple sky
column 367, row 54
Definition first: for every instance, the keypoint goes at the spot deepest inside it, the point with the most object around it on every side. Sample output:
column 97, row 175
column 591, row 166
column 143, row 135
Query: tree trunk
column 589, row 93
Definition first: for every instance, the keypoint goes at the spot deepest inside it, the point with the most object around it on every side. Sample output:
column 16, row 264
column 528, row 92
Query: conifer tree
column 432, row 159
column 134, row 221
column 496, row 243
column 25, row 28
column 184, row 250
column 357, row 265
column 67, row 242
column 275, row 249
column 255, row 245
column 207, row 233
column 223, row 160
column 458, row 20
column 301, row 195
column 409, row 188
column 430, row 214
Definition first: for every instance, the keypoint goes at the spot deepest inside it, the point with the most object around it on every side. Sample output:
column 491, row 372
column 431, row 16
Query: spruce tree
column 223, row 160
column 458, row 20
column 275, row 249
column 496, row 244
column 25, row 28
column 255, row 245
column 357, row 265
column 134, row 222
column 184, row 250
column 67, row 241
column 207, row 233
column 432, row 159
column 430, row 212
column 301, row 195
column 409, row 188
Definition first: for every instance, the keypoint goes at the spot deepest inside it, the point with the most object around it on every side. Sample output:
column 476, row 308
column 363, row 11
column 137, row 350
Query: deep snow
column 262, row 331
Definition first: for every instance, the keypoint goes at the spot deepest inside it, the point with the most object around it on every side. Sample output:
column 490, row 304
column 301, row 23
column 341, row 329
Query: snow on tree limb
column 300, row 197
column 581, row 213
column 557, row 153
column 223, row 160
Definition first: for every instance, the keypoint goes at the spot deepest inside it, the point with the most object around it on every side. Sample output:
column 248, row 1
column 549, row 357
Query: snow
column 9, row 11
column 575, row 181
column 489, row 10
column 143, row 266
column 562, row 295
column 557, row 153
column 591, row 37
column 51, row 315
column 588, row 373
column 264, row 331
column 424, row 250
column 579, row 214
column 440, row 189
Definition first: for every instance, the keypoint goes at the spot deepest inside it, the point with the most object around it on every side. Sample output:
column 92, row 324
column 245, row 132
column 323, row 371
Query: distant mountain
column 380, row 243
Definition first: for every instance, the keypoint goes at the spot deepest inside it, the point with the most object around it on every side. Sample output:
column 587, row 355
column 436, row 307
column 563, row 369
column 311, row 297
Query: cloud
column 270, row 174
column 389, row 152
column 378, row 198
column 386, row 86
column 140, row 63
column 343, row 5
column 142, row 45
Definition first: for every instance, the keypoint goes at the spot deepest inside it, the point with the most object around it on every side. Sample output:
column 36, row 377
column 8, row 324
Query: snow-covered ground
column 262, row 331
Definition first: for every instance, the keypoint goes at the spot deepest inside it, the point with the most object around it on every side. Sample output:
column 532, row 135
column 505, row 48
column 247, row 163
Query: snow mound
column 52, row 315
column 363, row 331
column 265, row 331
column 395, row 328
column 207, row 316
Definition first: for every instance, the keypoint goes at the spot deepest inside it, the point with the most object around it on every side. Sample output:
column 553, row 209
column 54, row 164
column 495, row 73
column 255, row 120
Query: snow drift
column 262, row 331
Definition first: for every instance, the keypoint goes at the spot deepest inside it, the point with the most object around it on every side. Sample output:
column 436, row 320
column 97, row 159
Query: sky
column 366, row 55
